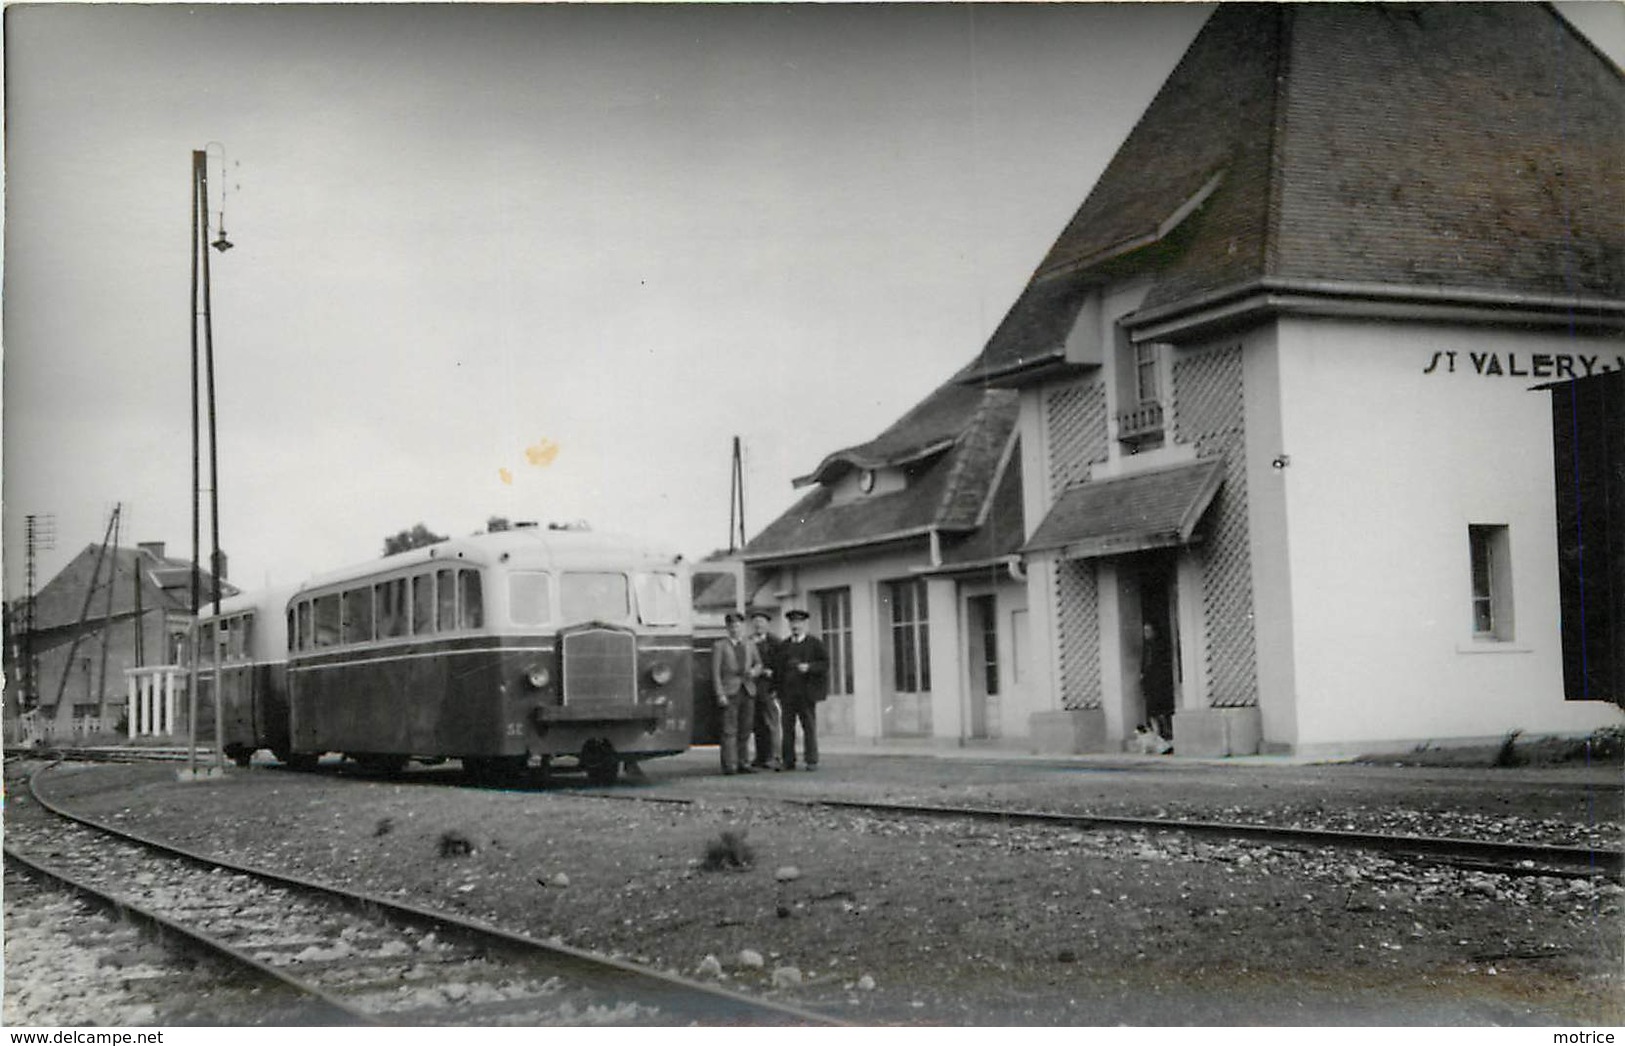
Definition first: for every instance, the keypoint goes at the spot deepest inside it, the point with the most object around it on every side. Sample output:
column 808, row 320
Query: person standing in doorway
column 769, row 732
column 804, row 664
column 734, row 668
column 1157, row 680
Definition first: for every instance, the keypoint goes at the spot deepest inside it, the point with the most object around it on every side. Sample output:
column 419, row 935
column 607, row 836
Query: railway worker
column 802, row 684
column 734, row 668
column 769, row 733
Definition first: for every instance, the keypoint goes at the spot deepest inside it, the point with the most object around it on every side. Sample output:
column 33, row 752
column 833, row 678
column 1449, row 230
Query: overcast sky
column 541, row 262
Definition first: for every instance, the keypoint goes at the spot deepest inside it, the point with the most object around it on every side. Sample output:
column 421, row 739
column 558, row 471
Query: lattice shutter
column 1077, row 431
column 1077, row 633
column 1209, row 412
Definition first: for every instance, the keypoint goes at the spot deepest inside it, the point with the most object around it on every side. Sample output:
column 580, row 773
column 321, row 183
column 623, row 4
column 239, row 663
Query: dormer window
column 1139, row 423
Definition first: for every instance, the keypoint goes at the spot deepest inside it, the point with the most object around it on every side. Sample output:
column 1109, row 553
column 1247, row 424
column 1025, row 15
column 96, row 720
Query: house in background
column 1283, row 473
column 87, row 634
column 903, row 551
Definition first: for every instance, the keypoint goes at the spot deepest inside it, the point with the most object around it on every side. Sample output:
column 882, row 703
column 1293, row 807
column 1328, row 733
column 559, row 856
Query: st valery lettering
column 1522, row 365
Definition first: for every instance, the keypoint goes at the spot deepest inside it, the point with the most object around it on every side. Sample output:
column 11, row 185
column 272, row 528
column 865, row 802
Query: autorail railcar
column 504, row 650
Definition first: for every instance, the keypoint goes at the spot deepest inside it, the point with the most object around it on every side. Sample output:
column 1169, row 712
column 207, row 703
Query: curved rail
column 324, row 1008
column 676, row 997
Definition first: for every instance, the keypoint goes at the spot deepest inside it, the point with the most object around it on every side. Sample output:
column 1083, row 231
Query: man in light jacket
column 734, row 668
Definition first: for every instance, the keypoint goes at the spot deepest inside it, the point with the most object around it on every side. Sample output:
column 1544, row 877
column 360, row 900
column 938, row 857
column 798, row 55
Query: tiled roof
column 166, row 585
column 949, row 446
column 930, row 426
column 1002, row 529
column 1157, row 508
column 1465, row 147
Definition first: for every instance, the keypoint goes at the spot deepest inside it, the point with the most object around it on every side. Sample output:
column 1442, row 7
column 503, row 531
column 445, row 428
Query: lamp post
column 201, row 309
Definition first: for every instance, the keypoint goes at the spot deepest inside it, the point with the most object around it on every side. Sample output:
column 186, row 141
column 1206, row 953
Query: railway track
column 1516, row 859
column 358, row 958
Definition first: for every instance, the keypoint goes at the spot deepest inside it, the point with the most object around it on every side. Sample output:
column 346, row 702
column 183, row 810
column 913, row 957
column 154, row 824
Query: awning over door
column 1155, row 509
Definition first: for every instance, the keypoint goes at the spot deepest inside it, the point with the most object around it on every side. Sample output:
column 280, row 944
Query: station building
column 1285, row 454
column 108, row 612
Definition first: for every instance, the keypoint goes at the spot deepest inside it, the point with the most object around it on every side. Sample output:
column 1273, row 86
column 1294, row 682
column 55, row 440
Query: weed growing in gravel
column 728, row 852
column 455, row 844
column 384, row 826
column 1508, row 754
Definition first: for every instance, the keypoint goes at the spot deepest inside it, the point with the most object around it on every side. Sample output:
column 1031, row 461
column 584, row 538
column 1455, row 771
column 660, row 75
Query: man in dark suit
column 769, row 734
column 734, row 668
column 804, row 665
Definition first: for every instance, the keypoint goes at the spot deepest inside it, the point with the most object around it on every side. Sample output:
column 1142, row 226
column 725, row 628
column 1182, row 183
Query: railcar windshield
column 594, row 597
column 530, row 597
column 659, row 598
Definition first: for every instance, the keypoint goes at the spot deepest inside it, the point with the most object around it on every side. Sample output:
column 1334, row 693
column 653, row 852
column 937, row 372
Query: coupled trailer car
column 503, row 650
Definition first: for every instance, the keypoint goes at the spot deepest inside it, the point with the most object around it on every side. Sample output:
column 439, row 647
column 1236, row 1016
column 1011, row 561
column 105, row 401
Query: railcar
column 243, row 650
column 503, row 650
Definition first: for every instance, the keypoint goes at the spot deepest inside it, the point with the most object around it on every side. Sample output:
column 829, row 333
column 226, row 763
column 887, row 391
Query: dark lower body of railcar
column 253, row 708
column 600, row 695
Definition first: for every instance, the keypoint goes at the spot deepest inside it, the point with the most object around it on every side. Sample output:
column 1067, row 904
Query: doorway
column 1157, row 639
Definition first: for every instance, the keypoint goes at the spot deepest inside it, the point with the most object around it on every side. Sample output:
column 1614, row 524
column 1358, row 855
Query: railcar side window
column 446, row 602
column 470, row 601
column 205, row 643
column 392, row 610
column 293, row 632
column 423, row 604
column 306, row 635
column 529, row 597
column 658, row 599
column 358, row 615
column 593, row 597
column 326, row 623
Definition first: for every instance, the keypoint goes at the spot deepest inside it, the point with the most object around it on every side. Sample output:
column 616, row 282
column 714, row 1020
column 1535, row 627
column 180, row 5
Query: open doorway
column 1156, row 641
column 981, row 629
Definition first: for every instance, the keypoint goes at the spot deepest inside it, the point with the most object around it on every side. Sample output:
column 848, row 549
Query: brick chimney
column 220, row 564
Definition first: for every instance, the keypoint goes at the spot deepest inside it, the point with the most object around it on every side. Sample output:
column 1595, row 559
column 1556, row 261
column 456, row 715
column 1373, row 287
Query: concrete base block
column 1072, row 732
column 202, row 773
column 1213, row 733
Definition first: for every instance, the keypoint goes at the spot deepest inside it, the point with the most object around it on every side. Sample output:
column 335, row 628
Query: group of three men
column 757, row 677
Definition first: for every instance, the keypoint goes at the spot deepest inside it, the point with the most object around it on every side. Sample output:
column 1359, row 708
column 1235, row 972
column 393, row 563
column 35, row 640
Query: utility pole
column 202, row 311
column 41, row 535
column 736, row 503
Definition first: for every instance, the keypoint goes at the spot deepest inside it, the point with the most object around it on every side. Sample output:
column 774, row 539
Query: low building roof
column 949, row 445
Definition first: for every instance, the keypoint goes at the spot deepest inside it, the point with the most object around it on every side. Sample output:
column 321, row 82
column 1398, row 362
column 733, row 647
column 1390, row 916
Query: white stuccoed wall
column 1388, row 467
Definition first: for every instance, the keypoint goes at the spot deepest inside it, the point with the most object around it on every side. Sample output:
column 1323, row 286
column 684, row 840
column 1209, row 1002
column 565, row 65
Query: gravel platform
column 882, row 920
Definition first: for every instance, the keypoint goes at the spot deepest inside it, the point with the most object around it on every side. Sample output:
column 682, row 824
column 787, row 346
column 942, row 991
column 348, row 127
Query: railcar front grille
column 600, row 665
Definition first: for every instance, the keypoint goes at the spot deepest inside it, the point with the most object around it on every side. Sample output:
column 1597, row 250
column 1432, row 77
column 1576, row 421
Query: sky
column 540, row 262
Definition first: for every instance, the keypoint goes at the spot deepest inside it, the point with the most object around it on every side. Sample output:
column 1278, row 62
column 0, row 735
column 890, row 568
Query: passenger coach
column 503, row 650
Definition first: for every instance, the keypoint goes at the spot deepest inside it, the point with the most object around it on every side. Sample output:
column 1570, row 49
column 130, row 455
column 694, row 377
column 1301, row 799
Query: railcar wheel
column 381, row 762
column 498, row 769
column 295, row 760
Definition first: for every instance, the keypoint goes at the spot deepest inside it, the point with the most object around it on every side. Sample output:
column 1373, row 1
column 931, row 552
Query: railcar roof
column 535, row 546
column 270, row 601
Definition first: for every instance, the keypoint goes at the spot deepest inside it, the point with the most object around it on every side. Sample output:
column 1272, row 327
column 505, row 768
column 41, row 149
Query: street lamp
column 201, row 309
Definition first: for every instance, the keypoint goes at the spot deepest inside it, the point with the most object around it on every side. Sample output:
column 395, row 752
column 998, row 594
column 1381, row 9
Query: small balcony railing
column 1143, row 424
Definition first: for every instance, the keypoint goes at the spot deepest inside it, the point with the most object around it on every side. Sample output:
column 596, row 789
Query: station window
column 530, row 597
column 835, row 627
column 1490, row 548
column 911, row 637
column 390, row 599
column 470, row 600
column 358, row 615
column 423, row 605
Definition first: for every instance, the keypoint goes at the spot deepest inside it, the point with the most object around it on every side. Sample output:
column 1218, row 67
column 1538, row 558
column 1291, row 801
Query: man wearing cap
column 769, row 735
column 804, row 671
column 734, row 668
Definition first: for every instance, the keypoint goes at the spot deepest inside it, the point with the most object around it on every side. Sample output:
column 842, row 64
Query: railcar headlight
column 661, row 674
column 538, row 677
